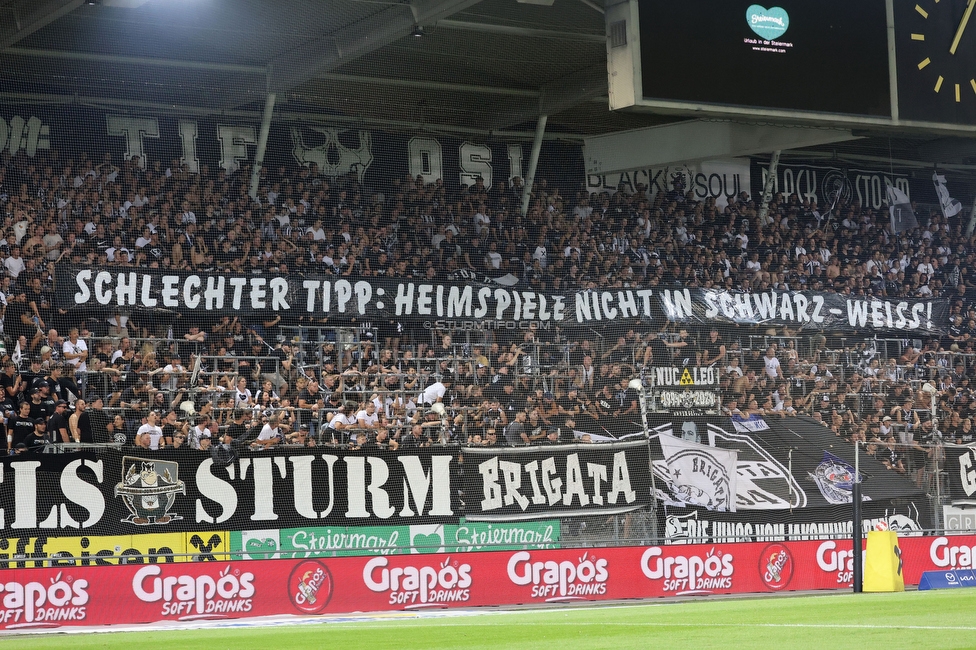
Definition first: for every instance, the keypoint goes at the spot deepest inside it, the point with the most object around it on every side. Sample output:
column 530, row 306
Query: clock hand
column 962, row 26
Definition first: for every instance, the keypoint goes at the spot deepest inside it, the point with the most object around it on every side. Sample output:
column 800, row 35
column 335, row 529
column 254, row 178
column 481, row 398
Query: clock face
column 936, row 60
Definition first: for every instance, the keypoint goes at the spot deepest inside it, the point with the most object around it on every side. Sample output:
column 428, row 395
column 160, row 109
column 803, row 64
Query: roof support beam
column 527, row 32
column 135, row 60
column 428, row 85
column 163, row 108
column 573, row 89
column 31, row 15
column 311, row 59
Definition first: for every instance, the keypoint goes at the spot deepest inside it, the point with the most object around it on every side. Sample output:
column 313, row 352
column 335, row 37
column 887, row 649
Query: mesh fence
column 363, row 343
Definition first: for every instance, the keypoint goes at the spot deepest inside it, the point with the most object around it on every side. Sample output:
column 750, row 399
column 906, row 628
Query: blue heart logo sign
column 768, row 23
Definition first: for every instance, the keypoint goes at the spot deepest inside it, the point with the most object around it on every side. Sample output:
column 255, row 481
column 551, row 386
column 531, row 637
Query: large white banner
column 700, row 475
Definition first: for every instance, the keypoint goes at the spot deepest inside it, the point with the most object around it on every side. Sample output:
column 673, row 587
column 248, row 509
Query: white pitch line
column 845, row 626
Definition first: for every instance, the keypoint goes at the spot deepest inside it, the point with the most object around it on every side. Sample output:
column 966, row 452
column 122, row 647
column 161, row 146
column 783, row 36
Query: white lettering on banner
column 945, row 555
column 967, row 473
column 25, row 602
column 202, row 594
column 28, row 135
column 707, row 376
column 426, row 159
column 475, row 161
column 806, row 183
column 234, row 141
column 75, row 489
column 514, row 162
column 361, row 297
column 689, row 573
column 888, row 314
column 673, row 399
column 412, row 586
column 134, row 130
column 429, row 493
column 839, row 562
column 188, row 140
column 502, row 482
column 557, row 580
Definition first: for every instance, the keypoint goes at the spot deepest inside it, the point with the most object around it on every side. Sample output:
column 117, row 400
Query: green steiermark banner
column 331, row 541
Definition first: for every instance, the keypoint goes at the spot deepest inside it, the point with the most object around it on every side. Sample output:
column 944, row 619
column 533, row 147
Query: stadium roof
column 480, row 67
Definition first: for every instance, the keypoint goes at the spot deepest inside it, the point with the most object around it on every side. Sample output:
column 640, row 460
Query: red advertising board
column 50, row 597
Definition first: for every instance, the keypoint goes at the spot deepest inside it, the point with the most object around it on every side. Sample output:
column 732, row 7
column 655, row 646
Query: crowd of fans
column 156, row 380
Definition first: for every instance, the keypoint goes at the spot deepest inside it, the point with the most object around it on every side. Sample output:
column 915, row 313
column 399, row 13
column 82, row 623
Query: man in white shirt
column 75, row 352
column 199, row 438
column 339, row 424
column 773, row 370
column 435, row 392
column 367, row 417
column 270, row 434
column 153, row 429
column 14, row 264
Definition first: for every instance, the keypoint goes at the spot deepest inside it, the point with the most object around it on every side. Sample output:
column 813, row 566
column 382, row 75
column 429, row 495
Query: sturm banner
column 512, row 484
column 132, row 594
column 167, row 491
column 353, row 298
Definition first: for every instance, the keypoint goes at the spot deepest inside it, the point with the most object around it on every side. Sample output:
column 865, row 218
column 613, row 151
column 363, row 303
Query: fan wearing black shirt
column 38, row 439
column 58, row 426
column 95, row 420
column 713, row 351
column 236, row 431
column 11, row 382
column 20, row 427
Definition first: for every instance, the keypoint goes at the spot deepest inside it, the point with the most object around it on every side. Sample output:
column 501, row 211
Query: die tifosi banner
column 144, row 593
column 211, row 294
column 960, row 465
column 511, row 484
column 141, row 492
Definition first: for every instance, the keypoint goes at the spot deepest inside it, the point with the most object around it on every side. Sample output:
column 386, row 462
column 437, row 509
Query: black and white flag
column 900, row 209
column 700, row 475
column 950, row 206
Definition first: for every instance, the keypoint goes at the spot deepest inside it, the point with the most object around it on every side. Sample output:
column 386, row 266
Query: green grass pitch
column 944, row 619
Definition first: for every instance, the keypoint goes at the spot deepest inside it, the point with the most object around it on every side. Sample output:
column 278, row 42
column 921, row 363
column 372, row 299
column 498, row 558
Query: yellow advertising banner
column 93, row 550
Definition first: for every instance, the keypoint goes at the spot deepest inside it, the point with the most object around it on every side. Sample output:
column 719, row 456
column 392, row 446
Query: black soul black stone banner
column 357, row 298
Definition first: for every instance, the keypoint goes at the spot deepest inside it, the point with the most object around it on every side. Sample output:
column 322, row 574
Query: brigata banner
column 133, row 593
column 512, row 484
column 171, row 491
column 354, row 298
